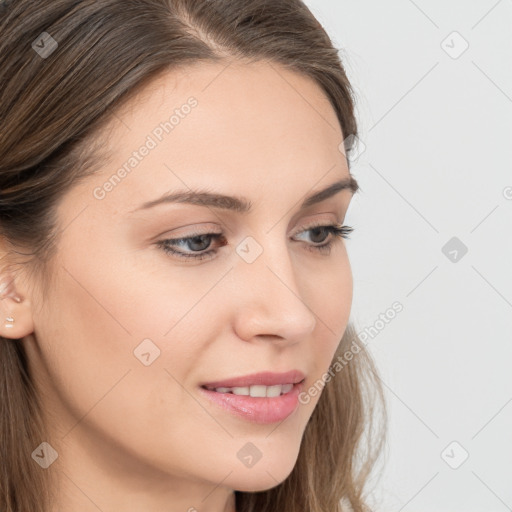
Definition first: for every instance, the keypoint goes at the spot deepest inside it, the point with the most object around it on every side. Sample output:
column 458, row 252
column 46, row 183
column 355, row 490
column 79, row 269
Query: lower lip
column 257, row 409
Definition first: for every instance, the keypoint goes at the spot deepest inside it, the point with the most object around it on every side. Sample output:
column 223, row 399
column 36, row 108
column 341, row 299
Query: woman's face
column 129, row 333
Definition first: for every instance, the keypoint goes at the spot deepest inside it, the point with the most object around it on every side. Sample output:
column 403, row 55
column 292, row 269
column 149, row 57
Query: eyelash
column 338, row 231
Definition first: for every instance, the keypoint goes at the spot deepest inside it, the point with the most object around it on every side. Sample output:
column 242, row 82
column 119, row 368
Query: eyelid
column 193, row 230
column 303, row 227
column 316, row 223
column 207, row 228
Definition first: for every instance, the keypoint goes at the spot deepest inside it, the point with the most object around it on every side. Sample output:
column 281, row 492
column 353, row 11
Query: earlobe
column 16, row 319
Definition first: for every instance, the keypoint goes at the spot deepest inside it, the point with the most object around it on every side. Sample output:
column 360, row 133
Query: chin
column 262, row 479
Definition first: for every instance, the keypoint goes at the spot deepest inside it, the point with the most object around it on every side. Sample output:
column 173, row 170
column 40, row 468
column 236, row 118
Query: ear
column 15, row 310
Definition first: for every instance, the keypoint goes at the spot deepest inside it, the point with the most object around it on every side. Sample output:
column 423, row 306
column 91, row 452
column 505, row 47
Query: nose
column 269, row 300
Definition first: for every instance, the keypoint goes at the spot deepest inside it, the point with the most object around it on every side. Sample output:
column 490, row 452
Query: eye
column 327, row 234
column 195, row 243
column 197, row 246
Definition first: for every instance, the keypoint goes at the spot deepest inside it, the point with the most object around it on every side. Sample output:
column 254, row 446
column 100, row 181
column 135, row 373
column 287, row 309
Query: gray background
column 437, row 128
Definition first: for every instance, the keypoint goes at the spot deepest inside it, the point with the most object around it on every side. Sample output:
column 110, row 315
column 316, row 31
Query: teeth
column 240, row 391
column 287, row 388
column 272, row 390
column 257, row 390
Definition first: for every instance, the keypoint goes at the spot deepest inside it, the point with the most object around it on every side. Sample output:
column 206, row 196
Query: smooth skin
column 133, row 437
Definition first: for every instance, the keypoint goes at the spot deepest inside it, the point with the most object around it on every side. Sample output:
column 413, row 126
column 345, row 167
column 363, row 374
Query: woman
column 175, row 285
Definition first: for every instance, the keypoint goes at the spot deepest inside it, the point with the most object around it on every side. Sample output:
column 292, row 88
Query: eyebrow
column 240, row 204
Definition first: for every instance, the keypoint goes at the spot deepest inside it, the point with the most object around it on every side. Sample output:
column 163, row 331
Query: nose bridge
column 271, row 301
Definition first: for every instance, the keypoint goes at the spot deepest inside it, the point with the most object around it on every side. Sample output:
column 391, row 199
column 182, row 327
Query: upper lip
column 262, row 379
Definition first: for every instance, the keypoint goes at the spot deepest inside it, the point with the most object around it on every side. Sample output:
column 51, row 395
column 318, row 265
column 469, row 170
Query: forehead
column 236, row 102
column 238, row 125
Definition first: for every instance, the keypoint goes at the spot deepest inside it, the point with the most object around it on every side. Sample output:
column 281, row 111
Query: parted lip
column 261, row 378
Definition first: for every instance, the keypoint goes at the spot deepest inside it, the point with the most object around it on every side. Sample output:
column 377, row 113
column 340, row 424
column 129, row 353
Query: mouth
column 267, row 379
column 255, row 391
column 260, row 398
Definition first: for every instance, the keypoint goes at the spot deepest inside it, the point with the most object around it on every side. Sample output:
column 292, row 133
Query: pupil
column 315, row 232
column 198, row 240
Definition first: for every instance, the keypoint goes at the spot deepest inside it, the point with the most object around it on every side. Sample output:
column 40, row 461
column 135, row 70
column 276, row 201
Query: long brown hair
column 99, row 54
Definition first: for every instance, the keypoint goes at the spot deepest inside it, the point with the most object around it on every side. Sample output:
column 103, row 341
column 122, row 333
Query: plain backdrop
column 433, row 234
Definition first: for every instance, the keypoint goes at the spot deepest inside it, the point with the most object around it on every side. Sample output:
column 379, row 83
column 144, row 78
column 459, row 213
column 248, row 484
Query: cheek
column 85, row 349
column 330, row 294
column 97, row 383
column 330, row 298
